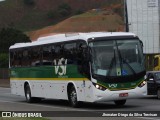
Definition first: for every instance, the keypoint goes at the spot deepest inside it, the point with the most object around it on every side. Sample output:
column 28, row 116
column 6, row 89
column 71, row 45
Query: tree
column 4, row 60
column 10, row 36
column 79, row 11
column 64, row 10
column 51, row 14
column 29, row 2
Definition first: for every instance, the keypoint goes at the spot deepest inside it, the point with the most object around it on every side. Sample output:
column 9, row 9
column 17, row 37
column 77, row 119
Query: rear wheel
column 158, row 93
column 28, row 95
column 73, row 97
column 120, row 102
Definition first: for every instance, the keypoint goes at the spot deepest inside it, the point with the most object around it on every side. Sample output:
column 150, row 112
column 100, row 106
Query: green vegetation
column 51, row 14
column 29, row 15
column 8, row 37
column 79, row 11
column 87, row 14
column 64, row 10
column 4, row 58
column 29, row 2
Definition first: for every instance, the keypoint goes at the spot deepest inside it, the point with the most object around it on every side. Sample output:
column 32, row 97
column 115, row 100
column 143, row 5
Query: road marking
column 67, row 109
column 148, row 118
column 42, row 105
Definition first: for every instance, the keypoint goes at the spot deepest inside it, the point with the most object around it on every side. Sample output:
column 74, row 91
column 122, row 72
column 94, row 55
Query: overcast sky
column 2, row 0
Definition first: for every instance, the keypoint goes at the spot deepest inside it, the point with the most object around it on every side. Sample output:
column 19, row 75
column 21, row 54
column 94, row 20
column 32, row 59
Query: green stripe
column 121, row 86
column 74, row 79
column 45, row 72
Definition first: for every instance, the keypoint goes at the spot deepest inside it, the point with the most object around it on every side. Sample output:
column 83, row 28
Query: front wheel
column 158, row 93
column 73, row 97
column 120, row 102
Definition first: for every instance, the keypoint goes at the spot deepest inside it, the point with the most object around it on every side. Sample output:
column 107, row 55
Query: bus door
column 84, row 69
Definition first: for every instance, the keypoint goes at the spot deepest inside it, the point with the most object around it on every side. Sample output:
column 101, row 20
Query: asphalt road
column 9, row 102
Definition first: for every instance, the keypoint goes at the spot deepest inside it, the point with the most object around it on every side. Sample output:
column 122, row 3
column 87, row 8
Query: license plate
column 123, row 95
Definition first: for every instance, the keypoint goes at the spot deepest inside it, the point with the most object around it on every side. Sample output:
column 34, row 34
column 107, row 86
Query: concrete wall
column 143, row 19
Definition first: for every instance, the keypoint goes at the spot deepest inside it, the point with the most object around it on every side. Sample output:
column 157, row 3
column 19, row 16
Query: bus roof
column 68, row 37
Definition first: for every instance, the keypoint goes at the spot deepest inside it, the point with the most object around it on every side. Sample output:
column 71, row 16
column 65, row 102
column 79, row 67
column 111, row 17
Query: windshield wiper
column 121, row 61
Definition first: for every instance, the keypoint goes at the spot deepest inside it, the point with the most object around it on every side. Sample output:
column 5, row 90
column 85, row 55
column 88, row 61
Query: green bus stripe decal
column 46, row 72
column 121, row 86
column 74, row 79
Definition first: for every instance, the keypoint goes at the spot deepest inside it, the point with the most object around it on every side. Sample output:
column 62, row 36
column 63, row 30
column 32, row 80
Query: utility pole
column 126, row 16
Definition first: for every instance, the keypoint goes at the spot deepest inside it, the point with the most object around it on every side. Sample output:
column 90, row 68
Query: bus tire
column 73, row 97
column 29, row 97
column 120, row 102
column 158, row 93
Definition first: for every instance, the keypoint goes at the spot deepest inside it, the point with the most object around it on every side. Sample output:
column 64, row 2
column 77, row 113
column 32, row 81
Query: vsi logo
column 61, row 64
column 112, row 85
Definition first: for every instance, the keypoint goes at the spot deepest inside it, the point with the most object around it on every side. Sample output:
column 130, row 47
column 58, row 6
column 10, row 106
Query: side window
column 15, row 60
column 58, row 50
column 19, row 58
column 70, row 53
column 150, row 76
column 82, row 59
column 52, row 57
column 25, row 58
column 81, row 51
column 46, row 55
column 12, row 59
column 36, row 55
column 155, row 62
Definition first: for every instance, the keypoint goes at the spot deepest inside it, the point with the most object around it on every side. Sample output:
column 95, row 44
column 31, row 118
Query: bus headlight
column 100, row 87
column 142, row 84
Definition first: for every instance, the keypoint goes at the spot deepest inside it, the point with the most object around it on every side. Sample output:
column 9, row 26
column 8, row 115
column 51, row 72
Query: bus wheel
column 29, row 97
column 73, row 97
column 158, row 93
column 28, row 94
column 120, row 102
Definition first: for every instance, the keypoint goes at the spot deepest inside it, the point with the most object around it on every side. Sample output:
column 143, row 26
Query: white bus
column 88, row 67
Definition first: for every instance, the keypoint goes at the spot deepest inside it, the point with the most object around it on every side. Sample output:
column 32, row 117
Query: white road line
column 67, row 109
column 64, row 108
column 148, row 118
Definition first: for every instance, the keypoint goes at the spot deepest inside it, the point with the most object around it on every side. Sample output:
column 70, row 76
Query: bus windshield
column 116, row 57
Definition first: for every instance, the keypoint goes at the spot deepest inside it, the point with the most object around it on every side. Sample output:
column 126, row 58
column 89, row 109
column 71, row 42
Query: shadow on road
column 150, row 97
column 88, row 106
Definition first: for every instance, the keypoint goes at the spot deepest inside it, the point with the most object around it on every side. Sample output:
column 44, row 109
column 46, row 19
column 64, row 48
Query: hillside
column 28, row 17
column 91, row 21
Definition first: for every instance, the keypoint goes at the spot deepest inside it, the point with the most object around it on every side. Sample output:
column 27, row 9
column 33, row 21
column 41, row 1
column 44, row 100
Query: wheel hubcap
column 73, row 97
column 28, row 94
